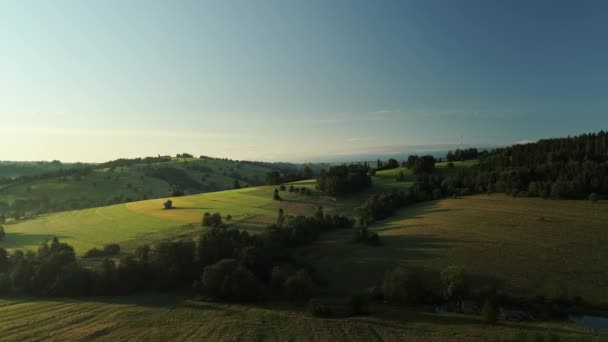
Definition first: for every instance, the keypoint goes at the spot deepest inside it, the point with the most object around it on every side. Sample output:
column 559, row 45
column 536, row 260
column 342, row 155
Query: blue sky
column 295, row 80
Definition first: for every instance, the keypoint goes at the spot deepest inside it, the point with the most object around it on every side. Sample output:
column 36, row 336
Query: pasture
column 135, row 223
column 523, row 245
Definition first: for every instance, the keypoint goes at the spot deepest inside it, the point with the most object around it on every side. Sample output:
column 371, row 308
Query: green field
column 146, row 222
column 106, row 186
column 169, row 317
column 523, row 245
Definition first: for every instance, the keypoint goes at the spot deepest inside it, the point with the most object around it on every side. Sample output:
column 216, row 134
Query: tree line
column 222, row 264
column 572, row 167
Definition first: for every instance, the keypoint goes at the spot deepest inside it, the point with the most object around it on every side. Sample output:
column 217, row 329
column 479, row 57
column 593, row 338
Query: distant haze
column 295, row 80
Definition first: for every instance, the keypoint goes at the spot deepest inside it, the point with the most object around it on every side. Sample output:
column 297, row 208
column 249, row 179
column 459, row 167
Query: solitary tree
column 307, row 173
column 2, row 234
column 168, row 205
column 276, row 195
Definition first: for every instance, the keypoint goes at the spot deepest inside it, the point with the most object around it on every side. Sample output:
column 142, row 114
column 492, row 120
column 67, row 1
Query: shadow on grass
column 21, row 240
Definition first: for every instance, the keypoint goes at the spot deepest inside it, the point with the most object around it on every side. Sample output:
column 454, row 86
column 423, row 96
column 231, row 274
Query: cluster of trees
column 572, row 167
column 463, row 154
column 108, row 250
column 212, row 220
column 390, row 164
column 289, row 175
column 125, row 162
column 381, row 206
column 300, row 230
column 223, row 264
column 300, row 190
column 344, row 179
column 456, row 292
column 420, row 164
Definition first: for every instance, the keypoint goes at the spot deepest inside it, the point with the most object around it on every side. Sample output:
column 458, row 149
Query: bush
column 2, row 233
column 299, row 286
column 593, row 197
column 277, row 278
column 94, row 253
column 359, row 303
column 168, row 205
column 317, row 309
column 454, row 283
column 282, row 187
column 401, row 286
column 111, row 249
column 212, row 220
column 489, row 312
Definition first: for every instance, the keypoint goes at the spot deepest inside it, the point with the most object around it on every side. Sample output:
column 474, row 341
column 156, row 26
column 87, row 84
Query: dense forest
column 573, row 167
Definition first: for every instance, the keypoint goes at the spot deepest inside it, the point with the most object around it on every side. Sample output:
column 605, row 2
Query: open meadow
column 526, row 246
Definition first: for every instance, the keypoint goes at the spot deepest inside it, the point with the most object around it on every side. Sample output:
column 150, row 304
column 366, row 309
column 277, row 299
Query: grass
column 172, row 317
column 522, row 245
column 141, row 222
column 122, row 184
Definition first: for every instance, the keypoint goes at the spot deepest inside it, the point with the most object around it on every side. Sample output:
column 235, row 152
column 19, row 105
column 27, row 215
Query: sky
column 295, row 80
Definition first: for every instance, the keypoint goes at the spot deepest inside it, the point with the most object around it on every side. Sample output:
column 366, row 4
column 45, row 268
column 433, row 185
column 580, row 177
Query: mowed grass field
column 174, row 318
column 135, row 223
column 523, row 245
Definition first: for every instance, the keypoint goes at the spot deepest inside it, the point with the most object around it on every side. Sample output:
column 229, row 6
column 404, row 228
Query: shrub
column 111, row 249
column 168, row 205
column 593, row 197
column 317, row 309
column 454, row 283
column 276, row 195
column 2, row 233
column 282, row 187
column 359, row 303
column 299, row 286
column 212, row 220
column 94, row 253
column 277, row 278
column 291, row 188
column 489, row 312
column 401, row 286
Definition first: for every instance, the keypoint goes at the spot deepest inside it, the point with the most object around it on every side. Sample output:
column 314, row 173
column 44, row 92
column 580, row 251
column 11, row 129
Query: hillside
column 61, row 188
column 525, row 246
column 134, row 223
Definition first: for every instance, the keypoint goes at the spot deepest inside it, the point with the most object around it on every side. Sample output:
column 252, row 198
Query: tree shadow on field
column 21, row 240
column 410, row 247
column 417, row 211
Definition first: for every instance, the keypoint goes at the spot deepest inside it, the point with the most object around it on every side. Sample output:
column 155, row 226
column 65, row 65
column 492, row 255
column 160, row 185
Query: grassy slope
column 156, row 318
column 130, row 183
column 521, row 244
column 145, row 221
